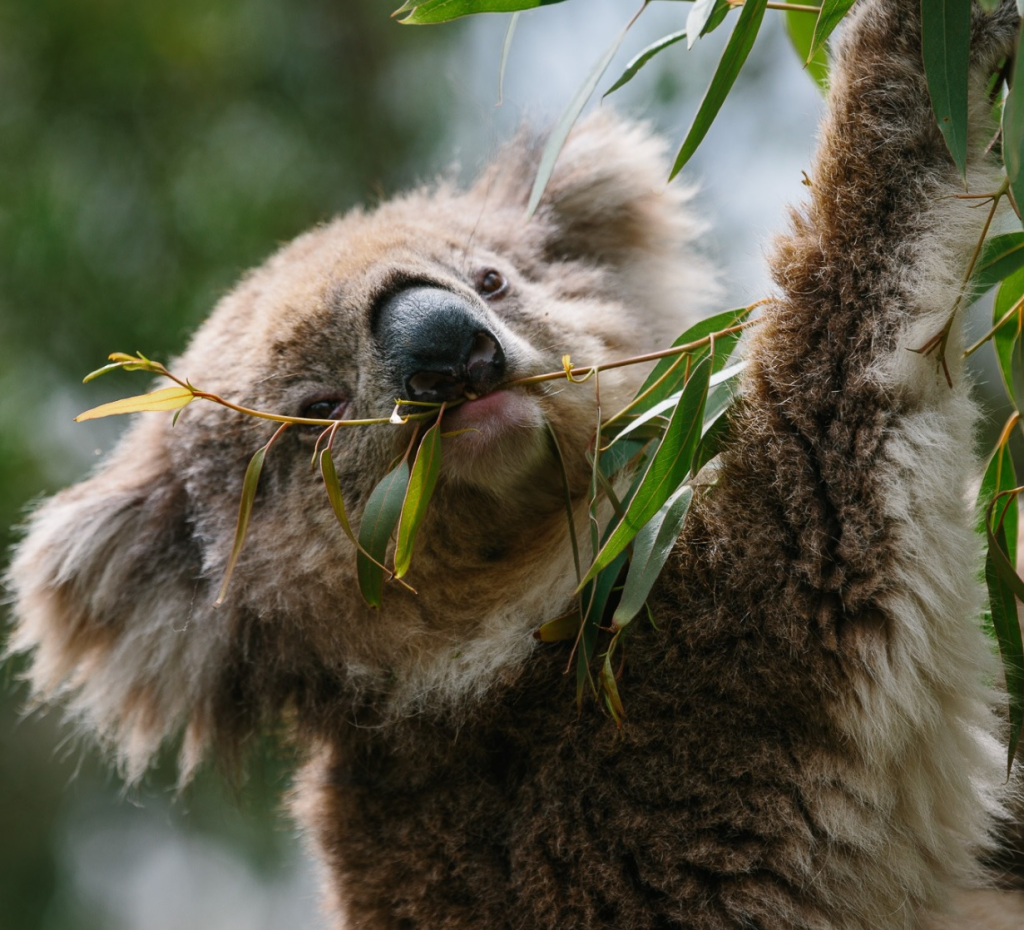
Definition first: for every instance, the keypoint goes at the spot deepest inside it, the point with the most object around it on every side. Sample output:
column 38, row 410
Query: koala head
column 441, row 294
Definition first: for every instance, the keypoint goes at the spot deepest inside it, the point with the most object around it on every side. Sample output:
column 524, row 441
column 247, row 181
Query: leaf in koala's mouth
column 379, row 518
column 422, row 480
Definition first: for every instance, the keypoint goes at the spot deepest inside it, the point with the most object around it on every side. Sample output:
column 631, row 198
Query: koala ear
column 109, row 601
column 608, row 199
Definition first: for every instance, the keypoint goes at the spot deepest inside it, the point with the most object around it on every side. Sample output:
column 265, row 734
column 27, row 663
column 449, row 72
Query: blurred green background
column 150, row 153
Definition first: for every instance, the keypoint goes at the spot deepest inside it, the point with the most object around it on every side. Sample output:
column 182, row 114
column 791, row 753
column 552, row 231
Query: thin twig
column 635, row 360
column 1005, row 318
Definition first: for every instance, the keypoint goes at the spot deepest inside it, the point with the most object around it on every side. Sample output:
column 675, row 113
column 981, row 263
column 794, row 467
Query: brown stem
column 634, row 360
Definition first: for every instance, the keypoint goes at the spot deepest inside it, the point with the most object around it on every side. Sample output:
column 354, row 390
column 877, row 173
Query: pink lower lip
column 494, row 412
column 482, row 406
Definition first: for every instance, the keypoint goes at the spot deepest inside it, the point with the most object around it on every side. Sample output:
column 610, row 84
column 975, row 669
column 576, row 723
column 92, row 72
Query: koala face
column 440, row 295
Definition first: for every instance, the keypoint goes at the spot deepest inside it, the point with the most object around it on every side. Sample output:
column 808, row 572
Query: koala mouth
column 492, row 417
column 470, row 377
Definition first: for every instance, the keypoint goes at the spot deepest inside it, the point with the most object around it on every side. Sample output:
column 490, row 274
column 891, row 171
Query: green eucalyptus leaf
column 637, row 427
column 165, row 399
column 1013, row 134
column 380, row 515
column 946, row 50
column 723, row 386
column 594, row 601
column 832, row 12
column 333, row 486
column 428, row 12
column 560, row 133
column 249, row 484
column 506, row 47
column 705, row 16
column 724, row 346
column 651, row 549
column 566, row 499
column 800, row 26
column 716, row 434
column 1006, row 339
column 669, row 466
column 610, row 690
column 560, row 629
column 1005, row 589
column 641, row 59
column 1000, row 257
column 1000, row 476
column 125, row 362
column 735, row 54
column 719, row 399
column 618, row 456
column 422, row 480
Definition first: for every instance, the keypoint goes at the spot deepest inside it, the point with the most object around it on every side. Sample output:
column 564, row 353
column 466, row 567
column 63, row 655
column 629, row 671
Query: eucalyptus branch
column 575, row 373
column 185, row 393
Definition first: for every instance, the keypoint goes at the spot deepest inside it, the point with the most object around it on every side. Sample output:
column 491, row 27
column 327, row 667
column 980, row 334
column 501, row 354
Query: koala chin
column 812, row 737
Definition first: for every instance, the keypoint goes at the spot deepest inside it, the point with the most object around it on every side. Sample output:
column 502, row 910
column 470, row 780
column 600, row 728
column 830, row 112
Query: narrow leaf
column 832, row 12
column 724, row 385
column 333, row 486
column 617, row 457
column 668, row 468
column 560, row 133
column 379, row 518
column 127, row 363
column 1000, row 476
column 638, row 61
column 724, row 346
column 1006, row 340
column 1005, row 590
column 800, row 27
column 172, row 398
column 1000, row 257
column 1013, row 133
column 506, row 47
column 249, row 485
column 560, row 629
column 735, row 54
column 651, row 549
column 610, row 691
column 705, row 16
column 570, row 514
column 719, row 399
column 443, row 11
column 594, row 600
column 420, row 489
column 946, row 50
column 716, row 435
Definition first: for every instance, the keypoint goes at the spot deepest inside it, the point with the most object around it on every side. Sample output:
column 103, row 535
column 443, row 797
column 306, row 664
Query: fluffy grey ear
column 608, row 198
column 108, row 600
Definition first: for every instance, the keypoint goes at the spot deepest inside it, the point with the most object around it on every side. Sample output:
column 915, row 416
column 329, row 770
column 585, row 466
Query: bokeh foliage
column 149, row 153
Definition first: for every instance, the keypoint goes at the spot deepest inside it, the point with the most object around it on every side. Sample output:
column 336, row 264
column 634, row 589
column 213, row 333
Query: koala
column 812, row 738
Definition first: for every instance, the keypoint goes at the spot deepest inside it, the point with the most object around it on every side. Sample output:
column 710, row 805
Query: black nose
column 437, row 346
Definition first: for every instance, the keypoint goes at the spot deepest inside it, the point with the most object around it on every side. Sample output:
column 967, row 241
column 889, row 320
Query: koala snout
column 437, row 346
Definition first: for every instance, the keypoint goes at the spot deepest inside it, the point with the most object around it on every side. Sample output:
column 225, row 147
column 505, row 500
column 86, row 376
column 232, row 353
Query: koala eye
column 324, row 407
column 490, row 283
